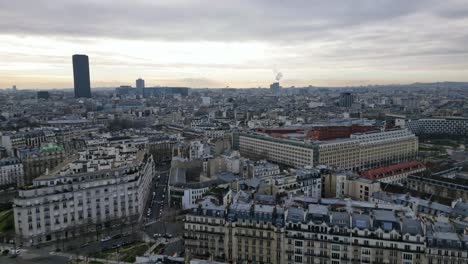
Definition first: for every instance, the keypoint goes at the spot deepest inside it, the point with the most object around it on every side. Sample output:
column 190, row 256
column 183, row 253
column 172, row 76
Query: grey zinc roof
column 227, row 176
column 252, row 182
column 446, row 236
column 268, row 209
column 411, row 226
column 238, row 206
column 361, row 221
column 340, row 219
column 384, row 215
column 317, row 209
column 364, row 180
column 460, row 225
column 208, row 204
column 382, row 196
column 279, row 209
column 295, row 215
column 465, row 238
column 443, row 227
column 426, row 203
column 265, row 199
column 461, row 208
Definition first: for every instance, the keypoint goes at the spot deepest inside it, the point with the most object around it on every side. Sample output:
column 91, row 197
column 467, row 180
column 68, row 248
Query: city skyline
column 241, row 44
column 246, row 131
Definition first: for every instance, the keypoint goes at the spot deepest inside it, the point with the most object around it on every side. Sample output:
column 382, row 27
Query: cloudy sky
column 237, row 43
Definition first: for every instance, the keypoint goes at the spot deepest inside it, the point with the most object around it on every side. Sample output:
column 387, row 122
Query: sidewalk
column 87, row 259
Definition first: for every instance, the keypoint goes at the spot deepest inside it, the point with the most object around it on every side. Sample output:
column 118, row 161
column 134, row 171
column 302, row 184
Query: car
column 14, row 251
column 107, row 238
column 117, row 236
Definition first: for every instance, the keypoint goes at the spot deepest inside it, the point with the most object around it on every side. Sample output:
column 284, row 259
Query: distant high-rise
column 43, row 95
column 81, row 76
column 140, row 85
column 275, row 87
column 346, row 99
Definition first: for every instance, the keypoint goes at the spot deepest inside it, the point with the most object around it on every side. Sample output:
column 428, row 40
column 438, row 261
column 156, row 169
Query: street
column 33, row 256
column 160, row 218
column 158, row 201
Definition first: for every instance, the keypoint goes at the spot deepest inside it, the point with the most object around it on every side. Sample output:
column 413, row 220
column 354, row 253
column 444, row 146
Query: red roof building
column 330, row 132
column 394, row 173
column 334, row 132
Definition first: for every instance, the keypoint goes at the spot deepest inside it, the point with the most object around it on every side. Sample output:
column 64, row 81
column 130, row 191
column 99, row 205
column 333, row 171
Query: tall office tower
column 140, row 85
column 346, row 99
column 81, row 76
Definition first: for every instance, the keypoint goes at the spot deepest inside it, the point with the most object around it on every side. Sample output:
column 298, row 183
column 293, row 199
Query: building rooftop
column 384, row 215
column 9, row 161
column 295, row 215
column 392, row 170
column 340, row 219
column 361, row 221
column 460, row 208
column 318, row 209
column 266, row 209
column 411, row 226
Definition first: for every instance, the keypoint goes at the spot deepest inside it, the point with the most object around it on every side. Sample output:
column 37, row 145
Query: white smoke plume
column 278, row 76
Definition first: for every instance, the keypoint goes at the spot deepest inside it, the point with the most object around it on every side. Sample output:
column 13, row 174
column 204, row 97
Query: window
column 407, row 256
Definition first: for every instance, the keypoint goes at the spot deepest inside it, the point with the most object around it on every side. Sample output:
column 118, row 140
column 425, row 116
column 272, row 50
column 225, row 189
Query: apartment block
column 38, row 160
column 361, row 151
column 11, row 172
column 454, row 126
column 320, row 232
column 395, row 174
column 447, row 187
column 103, row 188
column 288, row 152
column 368, row 150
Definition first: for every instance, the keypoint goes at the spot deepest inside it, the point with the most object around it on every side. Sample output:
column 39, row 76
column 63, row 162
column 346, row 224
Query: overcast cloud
column 235, row 43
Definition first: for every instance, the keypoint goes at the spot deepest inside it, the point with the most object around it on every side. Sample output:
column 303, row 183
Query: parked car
column 107, row 238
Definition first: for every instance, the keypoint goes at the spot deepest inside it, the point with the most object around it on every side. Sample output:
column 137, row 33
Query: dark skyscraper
column 81, row 76
column 140, row 86
column 346, row 99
